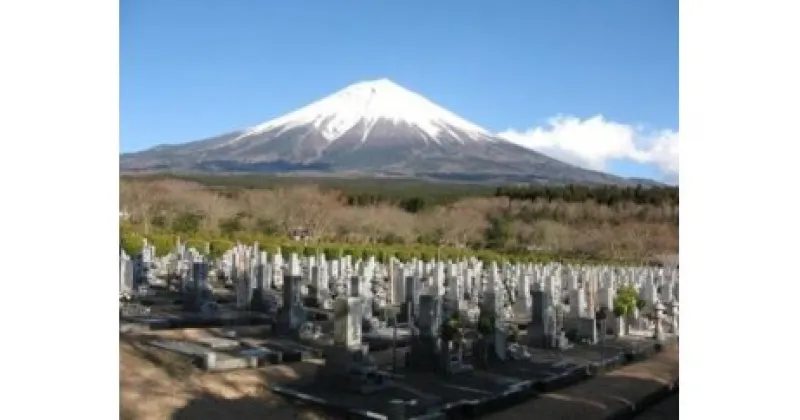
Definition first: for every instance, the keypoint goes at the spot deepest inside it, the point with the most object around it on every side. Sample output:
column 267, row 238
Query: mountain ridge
column 372, row 128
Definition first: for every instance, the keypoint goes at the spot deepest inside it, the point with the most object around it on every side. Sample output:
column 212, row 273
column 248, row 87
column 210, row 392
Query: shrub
column 132, row 244
column 625, row 301
column 186, row 223
column 291, row 248
column 332, row 252
column 165, row 243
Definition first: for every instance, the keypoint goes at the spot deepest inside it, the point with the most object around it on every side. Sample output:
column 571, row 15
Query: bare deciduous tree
column 307, row 208
column 624, row 230
column 140, row 199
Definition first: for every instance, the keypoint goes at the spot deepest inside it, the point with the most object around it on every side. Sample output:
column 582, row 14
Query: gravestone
column 493, row 304
column 673, row 313
column 316, row 288
column 397, row 280
column 409, row 309
column 658, row 317
column 198, row 297
column 277, row 270
column 126, row 285
column 437, row 283
column 541, row 330
column 523, row 302
column 454, row 297
column 347, row 363
column 244, row 291
column 291, row 315
column 424, row 353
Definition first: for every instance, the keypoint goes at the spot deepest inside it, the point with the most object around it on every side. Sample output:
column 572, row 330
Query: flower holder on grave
column 347, row 362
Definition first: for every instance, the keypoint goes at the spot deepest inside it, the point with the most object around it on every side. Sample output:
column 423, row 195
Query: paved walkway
column 602, row 397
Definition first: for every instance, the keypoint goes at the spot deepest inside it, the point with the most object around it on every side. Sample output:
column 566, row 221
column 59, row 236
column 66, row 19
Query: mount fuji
column 369, row 128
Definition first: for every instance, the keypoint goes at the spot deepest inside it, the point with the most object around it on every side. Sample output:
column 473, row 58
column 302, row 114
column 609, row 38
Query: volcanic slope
column 371, row 128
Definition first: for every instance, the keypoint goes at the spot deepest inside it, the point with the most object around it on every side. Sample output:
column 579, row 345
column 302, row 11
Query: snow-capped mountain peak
column 373, row 127
column 369, row 102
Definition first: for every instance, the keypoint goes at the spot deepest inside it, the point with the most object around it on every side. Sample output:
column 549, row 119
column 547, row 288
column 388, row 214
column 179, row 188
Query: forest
column 611, row 224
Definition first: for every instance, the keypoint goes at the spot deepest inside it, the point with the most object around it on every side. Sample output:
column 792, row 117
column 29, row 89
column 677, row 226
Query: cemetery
column 399, row 339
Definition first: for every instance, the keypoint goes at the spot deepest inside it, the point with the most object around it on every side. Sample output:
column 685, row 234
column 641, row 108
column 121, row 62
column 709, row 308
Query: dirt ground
column 156, row 384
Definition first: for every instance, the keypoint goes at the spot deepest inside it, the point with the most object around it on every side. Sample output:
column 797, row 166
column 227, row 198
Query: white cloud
column 593, row 142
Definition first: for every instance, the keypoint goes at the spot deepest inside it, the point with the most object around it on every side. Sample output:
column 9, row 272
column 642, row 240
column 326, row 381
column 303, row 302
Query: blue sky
column 591, row 82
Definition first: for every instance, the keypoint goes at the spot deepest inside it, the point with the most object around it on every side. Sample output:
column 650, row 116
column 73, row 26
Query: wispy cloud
column 594, row 142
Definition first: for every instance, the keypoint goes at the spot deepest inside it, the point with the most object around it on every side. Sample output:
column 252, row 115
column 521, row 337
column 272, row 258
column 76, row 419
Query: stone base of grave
column 288, row 351
column 555, row 369
column 485, row 353
column 352, row 370
column 394, row 402
column 218, row 343
column 289, row 321
column 452, row 362
column 132, row 328
column 469, row 394
column 414, row 395
column 196, row 320
column 383, row 338
column 212, row 362
column 423, row 355
column 622, row 394
column 216, row 354
column 581, row 330
column 541, row 340
column 457, row 367
column 133, row 310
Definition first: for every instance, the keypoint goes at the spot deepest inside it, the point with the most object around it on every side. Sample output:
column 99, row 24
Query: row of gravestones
column 463, row 284
column 348, row 365
column 189, row 268
column 320, row 276
column 555, row 297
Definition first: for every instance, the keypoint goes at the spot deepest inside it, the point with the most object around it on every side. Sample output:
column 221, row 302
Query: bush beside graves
column 132, row 242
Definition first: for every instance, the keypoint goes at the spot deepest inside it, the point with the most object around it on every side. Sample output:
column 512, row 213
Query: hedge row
column 132, row 243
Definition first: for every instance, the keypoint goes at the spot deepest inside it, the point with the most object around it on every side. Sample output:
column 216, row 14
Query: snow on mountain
column 367, row 103
column 373, row 127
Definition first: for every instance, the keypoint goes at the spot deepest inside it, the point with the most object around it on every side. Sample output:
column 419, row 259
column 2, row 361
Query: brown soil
column 157, row 384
